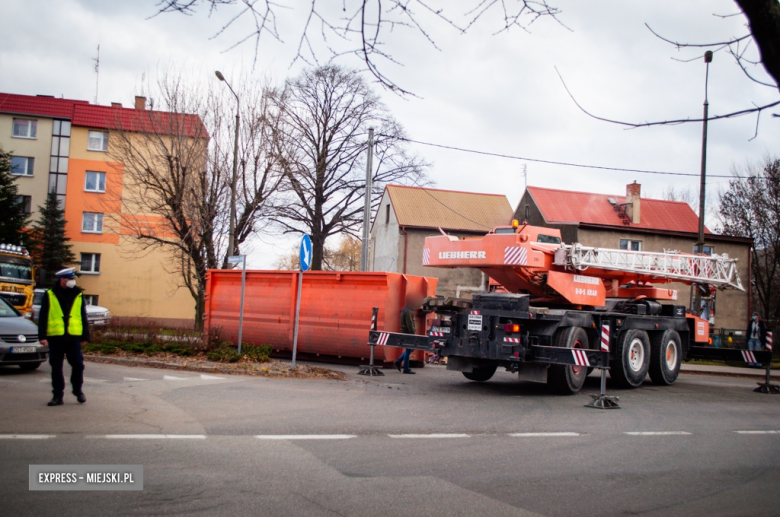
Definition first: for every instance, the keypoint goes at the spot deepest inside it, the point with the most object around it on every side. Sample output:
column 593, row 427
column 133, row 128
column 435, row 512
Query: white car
column 96, row 315
column 19, row 343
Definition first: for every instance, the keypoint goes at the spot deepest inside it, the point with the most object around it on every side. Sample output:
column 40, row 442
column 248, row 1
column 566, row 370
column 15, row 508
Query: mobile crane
column 568, row 309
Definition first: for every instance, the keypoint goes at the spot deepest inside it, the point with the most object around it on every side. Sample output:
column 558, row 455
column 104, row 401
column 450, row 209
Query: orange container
column 335, row 310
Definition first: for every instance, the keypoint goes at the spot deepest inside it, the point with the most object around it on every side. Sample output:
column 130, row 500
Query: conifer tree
column 13, row 220
column 50, row 247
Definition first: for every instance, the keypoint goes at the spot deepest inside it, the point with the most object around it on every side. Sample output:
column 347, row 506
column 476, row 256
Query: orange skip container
column 335, row 310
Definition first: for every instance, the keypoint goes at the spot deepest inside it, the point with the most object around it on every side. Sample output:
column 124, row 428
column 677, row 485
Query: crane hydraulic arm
column 534, row 260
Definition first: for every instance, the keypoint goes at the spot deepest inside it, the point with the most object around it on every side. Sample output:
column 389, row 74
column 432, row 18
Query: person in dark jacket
column 408, row 326
column 756, row 335
column 63, row 327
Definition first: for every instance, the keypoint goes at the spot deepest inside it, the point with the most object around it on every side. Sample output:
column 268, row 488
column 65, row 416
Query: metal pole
column 297, row 316
column 234, row 178
column 367, row 208
column 241, row 310
column 703, row 180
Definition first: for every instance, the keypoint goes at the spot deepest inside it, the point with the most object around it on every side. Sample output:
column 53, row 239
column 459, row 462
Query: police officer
column 63, row 326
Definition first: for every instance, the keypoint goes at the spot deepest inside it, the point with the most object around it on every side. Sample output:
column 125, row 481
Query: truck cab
column 16, row 278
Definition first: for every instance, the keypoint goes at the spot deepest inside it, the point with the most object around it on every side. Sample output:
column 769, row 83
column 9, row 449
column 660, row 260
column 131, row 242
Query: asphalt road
column 428, row 444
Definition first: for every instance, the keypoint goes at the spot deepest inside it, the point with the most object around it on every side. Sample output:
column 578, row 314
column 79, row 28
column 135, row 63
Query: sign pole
column 297, row 316
column 241, row 310
column 304, row 258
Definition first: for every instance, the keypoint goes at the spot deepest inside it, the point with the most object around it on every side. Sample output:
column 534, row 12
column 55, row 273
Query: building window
column 708, row 250
column 387, row 214
column 95, row 181
column 26, row 204
column 21, row 166
column 90, row 263
column 98, row 141
column 92, row 223
column 90, row 299
column 25, row 128
column 626, row 244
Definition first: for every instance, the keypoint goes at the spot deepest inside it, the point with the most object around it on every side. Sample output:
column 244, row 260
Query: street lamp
column 232, row 233
column 702, row 186
column 696, row 293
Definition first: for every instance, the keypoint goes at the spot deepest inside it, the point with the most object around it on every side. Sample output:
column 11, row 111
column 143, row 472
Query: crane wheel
column 665, row 357
column 481, row 373
column 564, row 379
column 630, row 367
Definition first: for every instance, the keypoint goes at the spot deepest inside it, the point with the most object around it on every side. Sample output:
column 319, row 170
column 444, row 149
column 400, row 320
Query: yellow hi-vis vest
column 56, row 322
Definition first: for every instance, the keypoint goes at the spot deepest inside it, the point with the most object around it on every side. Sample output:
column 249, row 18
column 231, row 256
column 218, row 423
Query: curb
column 125, row 361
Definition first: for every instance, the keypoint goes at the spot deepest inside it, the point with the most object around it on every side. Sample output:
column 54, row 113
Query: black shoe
column 397, row 365
column 410, row 372
column 80, row 397
column 56, row 401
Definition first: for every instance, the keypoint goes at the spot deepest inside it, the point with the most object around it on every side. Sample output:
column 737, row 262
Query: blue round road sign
column 305, row 254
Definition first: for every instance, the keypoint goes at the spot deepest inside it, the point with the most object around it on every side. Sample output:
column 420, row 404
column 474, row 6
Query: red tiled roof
column 568, row 207
column 84, row 114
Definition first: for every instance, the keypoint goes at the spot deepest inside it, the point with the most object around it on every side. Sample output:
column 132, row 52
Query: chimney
column 140, row 103
column 116, row 104
column 633, row 192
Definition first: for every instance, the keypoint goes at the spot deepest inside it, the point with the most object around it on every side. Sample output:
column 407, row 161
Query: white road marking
column 532, row 435
column 90, row 379
column 657, row 433
column 210, row 377
column 174, row 378
column 133, row 379
column 26, row 436
column 757, row 432
column 432, row 435
column 151, row 436
column 305, row 436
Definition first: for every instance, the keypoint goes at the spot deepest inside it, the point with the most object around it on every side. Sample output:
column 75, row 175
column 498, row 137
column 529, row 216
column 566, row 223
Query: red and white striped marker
column 768, row 341
column 605, row 337
column 436, row 334
column 511, row 339
column 383, row 337
column 748, row 356
column 476, row 313
column 580, row 357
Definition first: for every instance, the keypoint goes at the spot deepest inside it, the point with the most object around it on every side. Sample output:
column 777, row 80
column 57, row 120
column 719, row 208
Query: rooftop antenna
column 97, row 72
column 525, row 176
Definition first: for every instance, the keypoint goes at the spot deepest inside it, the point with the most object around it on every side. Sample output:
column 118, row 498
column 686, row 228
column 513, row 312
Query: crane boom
column 716, row 270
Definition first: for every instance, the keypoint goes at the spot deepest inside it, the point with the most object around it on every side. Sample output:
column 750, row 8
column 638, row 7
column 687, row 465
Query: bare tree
column 751, row 208
column 326, row 113
column 345, row 257
column 177, row 169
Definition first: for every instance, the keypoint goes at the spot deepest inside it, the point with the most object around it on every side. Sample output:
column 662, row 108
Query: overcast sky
column 497, row 93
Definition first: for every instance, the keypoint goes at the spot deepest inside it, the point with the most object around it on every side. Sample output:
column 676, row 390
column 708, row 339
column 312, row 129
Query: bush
column 257, row 353
column 224, row 353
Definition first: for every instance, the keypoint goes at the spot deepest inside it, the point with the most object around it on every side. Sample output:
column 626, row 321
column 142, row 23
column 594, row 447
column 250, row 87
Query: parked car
column 19, row 343
column 96, row 315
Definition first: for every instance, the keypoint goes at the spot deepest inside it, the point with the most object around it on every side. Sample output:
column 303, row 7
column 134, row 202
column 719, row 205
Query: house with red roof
column 66, row 145
column 632, row 222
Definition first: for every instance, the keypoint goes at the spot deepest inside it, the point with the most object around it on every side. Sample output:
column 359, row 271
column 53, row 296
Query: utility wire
column 565, row 164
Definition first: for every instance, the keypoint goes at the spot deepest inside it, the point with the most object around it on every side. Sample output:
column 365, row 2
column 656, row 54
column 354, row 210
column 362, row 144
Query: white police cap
column 68, row 272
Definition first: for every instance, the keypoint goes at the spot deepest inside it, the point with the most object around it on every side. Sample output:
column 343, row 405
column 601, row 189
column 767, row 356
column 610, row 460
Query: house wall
column 38, row 148
column 732, row 307
column 383, row 245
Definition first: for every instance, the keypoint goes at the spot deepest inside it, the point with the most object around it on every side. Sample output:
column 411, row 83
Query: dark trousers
column 59, row 349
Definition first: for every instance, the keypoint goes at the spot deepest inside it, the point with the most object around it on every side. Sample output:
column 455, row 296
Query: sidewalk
column 758, row 373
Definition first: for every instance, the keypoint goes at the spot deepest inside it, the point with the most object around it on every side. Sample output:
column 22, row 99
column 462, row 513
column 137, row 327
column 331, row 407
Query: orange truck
column 16, row 278
column 565, row 309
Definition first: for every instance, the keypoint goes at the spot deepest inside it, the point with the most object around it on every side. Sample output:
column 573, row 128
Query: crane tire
column 632, row 362
column 665, row 357
column 565, row 379
column 481, row 373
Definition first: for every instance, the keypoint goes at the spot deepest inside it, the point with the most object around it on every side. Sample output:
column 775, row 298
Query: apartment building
column 64, row 145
